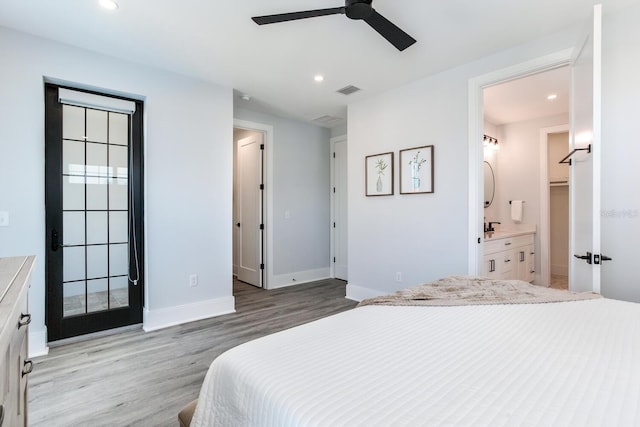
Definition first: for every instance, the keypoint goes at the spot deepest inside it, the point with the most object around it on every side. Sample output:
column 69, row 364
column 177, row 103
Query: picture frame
column 379, row 174
column 416, row 170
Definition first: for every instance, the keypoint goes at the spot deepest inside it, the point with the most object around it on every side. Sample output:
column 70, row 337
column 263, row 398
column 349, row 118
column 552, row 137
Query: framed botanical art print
column 379, row 174
column 416, row 170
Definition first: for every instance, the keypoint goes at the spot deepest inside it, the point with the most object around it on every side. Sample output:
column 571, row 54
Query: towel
column 516, row 210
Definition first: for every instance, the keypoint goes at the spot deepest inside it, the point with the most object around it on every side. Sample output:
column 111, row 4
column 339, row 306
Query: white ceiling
column 526, row 98
column 216, row 41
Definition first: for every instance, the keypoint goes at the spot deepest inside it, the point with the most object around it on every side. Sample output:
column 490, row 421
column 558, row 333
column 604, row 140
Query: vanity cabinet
column 510, row 257
column 15, row 277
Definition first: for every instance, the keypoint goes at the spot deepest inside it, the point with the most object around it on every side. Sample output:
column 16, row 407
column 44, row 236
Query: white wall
column 519, row 177
column 339, row 130
column 188, row 134
column 620, row 154
column 422, row 236
column 301, row 188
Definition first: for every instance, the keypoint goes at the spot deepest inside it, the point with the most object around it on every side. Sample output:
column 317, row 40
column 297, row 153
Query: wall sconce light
column 489, row 141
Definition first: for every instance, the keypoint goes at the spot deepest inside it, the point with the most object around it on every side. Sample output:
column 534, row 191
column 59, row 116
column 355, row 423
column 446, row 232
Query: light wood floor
column 559, row 282
column 143, row 379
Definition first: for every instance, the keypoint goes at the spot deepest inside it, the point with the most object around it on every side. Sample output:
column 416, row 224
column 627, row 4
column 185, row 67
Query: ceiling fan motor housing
column 358, row 9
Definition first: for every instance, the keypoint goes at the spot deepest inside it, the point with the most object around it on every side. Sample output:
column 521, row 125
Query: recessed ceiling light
column 552, row 97
column 318, row 78
column 245, row 97
column 109, row 4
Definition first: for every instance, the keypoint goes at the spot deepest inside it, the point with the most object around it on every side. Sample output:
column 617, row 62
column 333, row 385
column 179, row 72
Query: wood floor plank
column 135, row 378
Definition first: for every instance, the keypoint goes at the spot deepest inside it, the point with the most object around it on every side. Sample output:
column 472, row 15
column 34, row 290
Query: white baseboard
column 38, row 343
column 299, row 277
column 165, row 317
column 358, row 293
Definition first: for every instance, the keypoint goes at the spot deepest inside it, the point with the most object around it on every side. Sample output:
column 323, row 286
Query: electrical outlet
column 398, row 277
column 193, row 280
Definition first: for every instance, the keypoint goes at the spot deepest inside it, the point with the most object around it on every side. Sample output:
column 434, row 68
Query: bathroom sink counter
column 503, row 234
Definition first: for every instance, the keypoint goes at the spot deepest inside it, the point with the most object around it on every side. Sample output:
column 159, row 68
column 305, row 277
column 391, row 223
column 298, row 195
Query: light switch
column 287, row 214
column 4, row 219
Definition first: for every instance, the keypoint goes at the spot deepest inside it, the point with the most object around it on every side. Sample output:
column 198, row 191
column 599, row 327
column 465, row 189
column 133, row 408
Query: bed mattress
column 555, row 364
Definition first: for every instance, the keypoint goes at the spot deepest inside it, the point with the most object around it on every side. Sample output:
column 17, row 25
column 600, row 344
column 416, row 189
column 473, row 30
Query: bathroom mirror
column 489, row 184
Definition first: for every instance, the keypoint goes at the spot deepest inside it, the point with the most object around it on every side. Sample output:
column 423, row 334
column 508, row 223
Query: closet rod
column 588, row 149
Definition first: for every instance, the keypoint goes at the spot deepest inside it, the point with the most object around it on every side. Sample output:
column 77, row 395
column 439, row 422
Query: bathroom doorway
column 526, row 121
column 584, row 63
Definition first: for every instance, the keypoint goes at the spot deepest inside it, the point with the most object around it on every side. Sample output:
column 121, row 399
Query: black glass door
column 93, row 172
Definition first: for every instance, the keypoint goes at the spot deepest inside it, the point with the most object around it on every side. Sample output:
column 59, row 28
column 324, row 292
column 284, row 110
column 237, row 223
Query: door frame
column 267, row 131
column 332, row 231
column 476, row 87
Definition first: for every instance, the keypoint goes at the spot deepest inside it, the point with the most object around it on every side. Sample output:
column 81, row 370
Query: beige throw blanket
column 469, row 290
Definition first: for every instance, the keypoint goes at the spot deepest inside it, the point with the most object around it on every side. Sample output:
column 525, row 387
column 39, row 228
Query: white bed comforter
column 557, row 364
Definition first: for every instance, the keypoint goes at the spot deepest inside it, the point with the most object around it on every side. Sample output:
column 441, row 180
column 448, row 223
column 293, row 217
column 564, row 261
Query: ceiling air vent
column 348, row 90
column 327, row 120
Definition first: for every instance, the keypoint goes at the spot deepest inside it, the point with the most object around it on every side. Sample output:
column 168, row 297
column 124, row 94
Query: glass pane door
column 95, row 210
column 94, row 197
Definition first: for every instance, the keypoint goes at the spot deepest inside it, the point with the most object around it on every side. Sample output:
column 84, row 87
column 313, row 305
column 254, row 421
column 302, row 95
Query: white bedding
column 557, row 364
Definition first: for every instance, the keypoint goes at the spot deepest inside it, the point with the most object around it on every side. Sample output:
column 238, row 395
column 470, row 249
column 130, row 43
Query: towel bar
column 564, row 160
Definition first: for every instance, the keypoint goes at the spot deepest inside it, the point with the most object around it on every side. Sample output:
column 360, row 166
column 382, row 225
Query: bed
column 458, row 359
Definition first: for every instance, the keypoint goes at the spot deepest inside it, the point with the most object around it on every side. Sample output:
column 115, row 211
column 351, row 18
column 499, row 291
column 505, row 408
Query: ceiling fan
column 354, row 9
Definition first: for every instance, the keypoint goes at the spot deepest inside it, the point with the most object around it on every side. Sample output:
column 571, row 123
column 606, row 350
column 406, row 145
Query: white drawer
column 498, row 245
column 527, row 239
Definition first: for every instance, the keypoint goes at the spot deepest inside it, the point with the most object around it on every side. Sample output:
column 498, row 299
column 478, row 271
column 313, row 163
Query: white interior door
column 340, row 210
column 584, row 272
column 249, row 209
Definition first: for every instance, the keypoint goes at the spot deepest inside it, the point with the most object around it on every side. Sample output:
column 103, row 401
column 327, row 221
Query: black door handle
column 599, row 257
column 587, row 257
column 238, row 225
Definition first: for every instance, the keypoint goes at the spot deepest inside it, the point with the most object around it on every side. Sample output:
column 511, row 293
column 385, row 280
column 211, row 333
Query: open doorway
column 526, row 122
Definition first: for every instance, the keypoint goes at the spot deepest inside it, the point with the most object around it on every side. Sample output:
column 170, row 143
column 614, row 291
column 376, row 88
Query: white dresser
column 15, row 277
column 510, row 256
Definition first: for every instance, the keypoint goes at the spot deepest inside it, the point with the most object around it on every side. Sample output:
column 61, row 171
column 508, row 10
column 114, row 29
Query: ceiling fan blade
column 389, row 31
column 283, row 17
